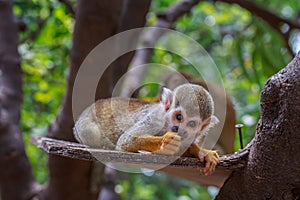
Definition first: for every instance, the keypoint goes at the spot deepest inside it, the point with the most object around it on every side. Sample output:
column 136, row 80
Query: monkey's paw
column 170, row 144
column 212, row 159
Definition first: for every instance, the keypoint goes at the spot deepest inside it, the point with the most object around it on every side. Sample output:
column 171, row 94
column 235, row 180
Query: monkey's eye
column 192, row 124
column 179, row 117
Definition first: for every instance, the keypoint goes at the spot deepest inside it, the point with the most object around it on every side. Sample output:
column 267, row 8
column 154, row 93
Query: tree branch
column 176, row 11
column 133, row 16
column 183, row 167
column 73, row 150
column 16, row 177
column 272, row 19
column 269, row 17
column 143, row 56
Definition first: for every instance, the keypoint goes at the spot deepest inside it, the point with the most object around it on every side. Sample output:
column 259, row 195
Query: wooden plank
column 183, row 167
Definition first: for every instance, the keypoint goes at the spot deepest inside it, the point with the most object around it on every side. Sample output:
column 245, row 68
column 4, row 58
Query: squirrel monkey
column 172, row 126
column 226, row 139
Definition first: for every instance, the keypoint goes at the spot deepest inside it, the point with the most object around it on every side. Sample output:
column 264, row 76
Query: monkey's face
column 186, row 126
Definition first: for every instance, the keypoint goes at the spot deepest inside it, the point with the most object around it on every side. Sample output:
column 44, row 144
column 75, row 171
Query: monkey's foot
column 170, row 144
column 212, row 159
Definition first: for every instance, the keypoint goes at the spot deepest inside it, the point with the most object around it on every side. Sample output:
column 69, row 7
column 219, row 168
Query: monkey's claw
column 211, row 160
column 170, row 144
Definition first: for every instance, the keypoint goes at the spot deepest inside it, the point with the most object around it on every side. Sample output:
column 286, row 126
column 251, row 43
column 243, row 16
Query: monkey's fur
column 172, row 126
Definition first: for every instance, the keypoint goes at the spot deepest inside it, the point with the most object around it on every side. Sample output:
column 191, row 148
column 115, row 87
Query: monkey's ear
column 213, row 120
column 166, row 98
column 209, row 123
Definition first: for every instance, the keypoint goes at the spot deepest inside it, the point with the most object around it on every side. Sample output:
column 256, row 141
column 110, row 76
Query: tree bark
column 133, row 16
column 272, row 170
column 16, row 177
column 95, row 21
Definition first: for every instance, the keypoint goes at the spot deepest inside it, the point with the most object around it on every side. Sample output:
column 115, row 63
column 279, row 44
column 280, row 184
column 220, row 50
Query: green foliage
column 158, row 186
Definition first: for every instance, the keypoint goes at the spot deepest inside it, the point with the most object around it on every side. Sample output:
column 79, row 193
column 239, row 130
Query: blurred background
column 247, row 45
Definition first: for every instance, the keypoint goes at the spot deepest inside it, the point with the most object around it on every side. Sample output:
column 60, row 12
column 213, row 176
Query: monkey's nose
column 174, row 129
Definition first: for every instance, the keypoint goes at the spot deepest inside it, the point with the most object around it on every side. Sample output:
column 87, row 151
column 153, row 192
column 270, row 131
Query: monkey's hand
column 211, row 158
column 170, row 144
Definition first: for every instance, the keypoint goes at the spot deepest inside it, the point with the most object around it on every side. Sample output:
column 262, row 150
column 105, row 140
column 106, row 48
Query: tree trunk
column 272, row 170
column 95, row 21
column 142, row 56
column 133, row 16
column 16, row 178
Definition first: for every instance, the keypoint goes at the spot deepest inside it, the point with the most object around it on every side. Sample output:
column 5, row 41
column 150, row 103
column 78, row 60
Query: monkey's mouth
column 183, row 134
column 187, row 137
